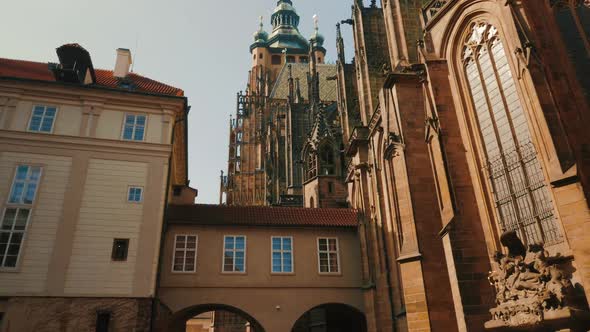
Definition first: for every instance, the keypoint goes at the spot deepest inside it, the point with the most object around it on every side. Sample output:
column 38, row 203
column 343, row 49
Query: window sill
column 233, row 273
column 184, row 272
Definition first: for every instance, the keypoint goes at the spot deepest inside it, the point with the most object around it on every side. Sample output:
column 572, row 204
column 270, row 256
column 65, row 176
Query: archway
column 331, row 317
column 239, row 320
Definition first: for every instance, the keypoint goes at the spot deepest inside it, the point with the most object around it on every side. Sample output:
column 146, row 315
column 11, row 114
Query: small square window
column 42, row 119
column 135, row 194
column 177, row 191
column 120, row 248
column 134, row 127
column 276, row 60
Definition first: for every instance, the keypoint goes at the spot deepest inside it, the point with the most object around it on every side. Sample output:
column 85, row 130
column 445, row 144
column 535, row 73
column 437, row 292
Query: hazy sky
column 199, row 46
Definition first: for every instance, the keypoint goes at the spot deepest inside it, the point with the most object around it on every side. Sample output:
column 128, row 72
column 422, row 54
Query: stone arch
column 343, row 315
column 177, row 322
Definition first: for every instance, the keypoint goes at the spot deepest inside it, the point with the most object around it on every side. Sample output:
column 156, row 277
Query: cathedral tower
column 277, row 111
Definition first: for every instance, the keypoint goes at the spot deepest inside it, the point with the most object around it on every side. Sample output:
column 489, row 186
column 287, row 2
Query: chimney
column 123, row 63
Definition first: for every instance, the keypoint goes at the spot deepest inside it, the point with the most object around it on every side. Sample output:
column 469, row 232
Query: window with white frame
column 135, row 194
column 234, row 253
column 328, row 255
column 17, row 213
column 42, row 119
column 282, row 254
column 185, row 253
column 134, row 128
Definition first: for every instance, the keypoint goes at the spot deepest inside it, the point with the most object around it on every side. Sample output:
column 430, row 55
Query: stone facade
column 470, row 94
column 273, row 158
column 77, row 314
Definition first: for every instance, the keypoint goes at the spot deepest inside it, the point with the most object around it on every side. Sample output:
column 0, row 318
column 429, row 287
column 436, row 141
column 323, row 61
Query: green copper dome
column 260, row 35
column 285, row 33
column 317, row 38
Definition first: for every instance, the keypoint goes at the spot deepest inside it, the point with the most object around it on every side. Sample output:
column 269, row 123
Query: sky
column 199, row 46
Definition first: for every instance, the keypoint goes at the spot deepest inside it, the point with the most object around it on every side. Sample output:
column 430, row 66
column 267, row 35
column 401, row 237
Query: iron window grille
column 521, row 197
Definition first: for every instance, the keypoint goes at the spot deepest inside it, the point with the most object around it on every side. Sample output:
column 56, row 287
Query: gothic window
column 311, row 165
column 327, row 160
column 290, row 59
column 520, row 192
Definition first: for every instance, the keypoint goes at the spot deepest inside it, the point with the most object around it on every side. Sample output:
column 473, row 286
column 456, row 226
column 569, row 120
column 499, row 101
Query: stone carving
column 531, row 286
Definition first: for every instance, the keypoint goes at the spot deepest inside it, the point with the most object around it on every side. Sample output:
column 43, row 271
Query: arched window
column 327, row 160
column 521, row 197
column 311, row 165
column 311, row 203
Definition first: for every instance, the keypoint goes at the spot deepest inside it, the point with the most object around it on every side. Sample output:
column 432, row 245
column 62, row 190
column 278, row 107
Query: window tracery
column 521, row 196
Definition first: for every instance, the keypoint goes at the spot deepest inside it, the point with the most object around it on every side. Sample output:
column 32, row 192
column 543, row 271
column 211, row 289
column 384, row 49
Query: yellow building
column 87, row 157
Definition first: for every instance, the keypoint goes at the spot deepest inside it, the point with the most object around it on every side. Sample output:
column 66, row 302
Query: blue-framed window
column 24, row 185
column 42, row 119
column 135, row 194
column 134, row 128
column 234, row 253
column 282, row 254
column 17, row 213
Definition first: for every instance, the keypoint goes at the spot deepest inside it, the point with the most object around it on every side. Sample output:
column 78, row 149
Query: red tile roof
column 104, row 78
column 261, row 216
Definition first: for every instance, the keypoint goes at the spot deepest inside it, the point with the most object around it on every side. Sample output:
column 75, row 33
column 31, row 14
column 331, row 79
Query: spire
column 260, row 36
column 317, row 40
column 340, row 44
column 291, row 87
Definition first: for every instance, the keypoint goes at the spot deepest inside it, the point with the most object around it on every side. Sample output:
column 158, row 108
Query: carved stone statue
column 533, row 290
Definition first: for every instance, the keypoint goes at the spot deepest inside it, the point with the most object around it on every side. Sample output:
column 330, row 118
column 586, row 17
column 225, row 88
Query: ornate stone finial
column 316, row 22
column 261, row 18
column 373, row 3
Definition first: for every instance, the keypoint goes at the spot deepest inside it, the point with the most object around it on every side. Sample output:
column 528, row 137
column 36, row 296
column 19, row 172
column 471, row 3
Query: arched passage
column 179, row 319
column 331, row 317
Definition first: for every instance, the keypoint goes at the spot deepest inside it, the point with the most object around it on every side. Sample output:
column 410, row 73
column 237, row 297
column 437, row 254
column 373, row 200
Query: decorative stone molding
column 534, row 290
column 432, row 127
column 393, row 146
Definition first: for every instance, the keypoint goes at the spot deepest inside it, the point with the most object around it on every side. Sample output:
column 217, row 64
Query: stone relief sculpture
column 533, row 289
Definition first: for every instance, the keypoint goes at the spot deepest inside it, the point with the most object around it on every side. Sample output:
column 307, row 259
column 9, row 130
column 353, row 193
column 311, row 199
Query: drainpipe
column 164, row 226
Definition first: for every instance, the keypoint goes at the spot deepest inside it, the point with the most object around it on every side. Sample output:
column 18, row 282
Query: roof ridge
column 35, row 70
